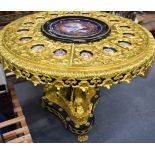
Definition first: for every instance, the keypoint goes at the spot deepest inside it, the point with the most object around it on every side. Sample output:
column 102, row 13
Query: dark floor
column 126, row 113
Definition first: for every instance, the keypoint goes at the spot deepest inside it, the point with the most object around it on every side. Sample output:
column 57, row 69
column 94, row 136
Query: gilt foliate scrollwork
column 127, row 52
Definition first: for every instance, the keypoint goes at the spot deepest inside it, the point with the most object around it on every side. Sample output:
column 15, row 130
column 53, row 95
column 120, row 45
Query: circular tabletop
column 76, row 48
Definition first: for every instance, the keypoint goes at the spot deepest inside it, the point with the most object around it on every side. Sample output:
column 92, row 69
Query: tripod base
column 81, row 130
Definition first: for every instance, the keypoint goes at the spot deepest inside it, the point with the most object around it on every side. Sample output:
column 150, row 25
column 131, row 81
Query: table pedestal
column 74, row 106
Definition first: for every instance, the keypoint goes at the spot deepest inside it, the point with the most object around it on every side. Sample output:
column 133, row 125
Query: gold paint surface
column 72, row 71
column 102, row 69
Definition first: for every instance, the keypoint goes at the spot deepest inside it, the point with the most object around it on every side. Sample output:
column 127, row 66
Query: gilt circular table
column 73, row 54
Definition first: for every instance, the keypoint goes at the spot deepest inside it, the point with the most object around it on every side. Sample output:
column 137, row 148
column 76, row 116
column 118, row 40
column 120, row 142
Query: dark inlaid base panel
column 64, row 117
